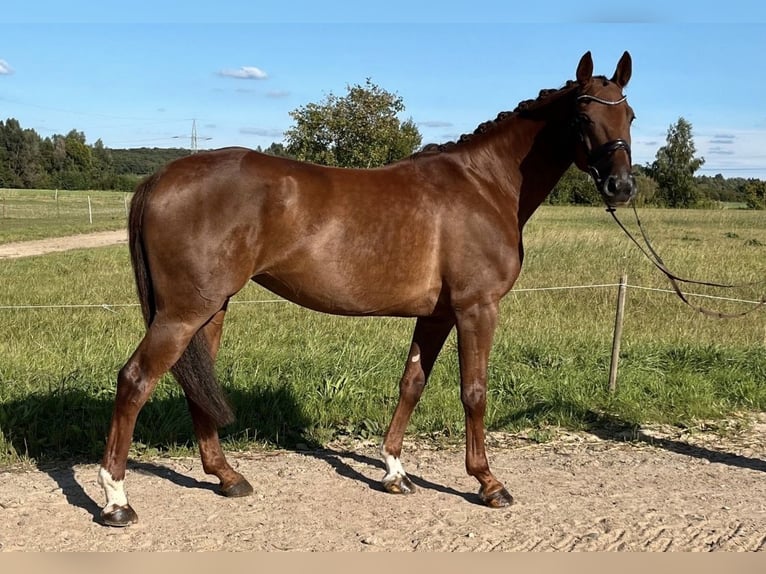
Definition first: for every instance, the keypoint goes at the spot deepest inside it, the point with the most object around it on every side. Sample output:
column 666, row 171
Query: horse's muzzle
column 618, row 190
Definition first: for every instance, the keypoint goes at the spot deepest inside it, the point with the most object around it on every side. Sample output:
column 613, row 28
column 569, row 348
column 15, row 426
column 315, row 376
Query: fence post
column 617, row 332
column 90, row 212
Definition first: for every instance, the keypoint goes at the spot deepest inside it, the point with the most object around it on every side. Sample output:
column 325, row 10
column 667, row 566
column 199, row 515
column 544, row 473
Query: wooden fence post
column 617, row 332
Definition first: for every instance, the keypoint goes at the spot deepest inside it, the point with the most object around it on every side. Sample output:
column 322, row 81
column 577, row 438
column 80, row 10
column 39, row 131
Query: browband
column 601, row 101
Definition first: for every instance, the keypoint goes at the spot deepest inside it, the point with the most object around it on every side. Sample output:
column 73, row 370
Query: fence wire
column 112, row 306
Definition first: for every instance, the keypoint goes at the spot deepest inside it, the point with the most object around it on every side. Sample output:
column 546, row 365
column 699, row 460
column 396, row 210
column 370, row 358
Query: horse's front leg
column 475, row 331
column 427, row 341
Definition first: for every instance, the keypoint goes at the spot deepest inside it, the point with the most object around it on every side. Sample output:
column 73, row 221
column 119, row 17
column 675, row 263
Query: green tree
column 102, row 166
column 78, row 162
column 755, row 193
column 575, row 187
column 277, row 149
column 360, row 129
column 674, row 167
column 20, row 160
column 646, row 189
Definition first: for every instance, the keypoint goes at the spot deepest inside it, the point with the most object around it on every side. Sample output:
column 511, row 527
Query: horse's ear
column 585, row 69
column 624, row 69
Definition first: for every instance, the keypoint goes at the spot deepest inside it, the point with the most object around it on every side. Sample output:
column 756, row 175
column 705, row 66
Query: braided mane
column 545, row 97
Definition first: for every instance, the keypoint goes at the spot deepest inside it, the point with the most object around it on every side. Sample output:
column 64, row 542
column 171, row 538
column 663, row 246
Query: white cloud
column 245, row 73
column 435, row 124
column 5, row 68
column 732, row 152
column 262, row 132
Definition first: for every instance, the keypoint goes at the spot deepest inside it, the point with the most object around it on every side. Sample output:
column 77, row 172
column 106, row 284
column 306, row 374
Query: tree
column 360, row 129
column 277, row 149
column 76, row 163
column 646, row 189
column 575, row 187
column 674, row 167
column 20, row 155
column 755, row 193
column 102, row 166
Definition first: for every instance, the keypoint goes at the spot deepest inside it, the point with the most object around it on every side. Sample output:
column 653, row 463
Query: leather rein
column 674, row 279
column 594, row 157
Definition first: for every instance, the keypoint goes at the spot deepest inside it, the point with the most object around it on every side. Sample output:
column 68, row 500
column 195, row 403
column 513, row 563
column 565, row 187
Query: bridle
column 597, row 155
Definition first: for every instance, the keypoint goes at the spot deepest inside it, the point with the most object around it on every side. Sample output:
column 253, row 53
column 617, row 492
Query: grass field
column 297, row 376
column 38, row 213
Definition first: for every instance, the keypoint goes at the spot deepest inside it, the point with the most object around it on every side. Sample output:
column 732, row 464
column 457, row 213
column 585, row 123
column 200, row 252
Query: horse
column 436, row 236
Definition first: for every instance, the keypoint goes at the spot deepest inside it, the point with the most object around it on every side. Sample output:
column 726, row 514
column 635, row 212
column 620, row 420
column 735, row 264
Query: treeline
column 576, row 188
column 29, row 161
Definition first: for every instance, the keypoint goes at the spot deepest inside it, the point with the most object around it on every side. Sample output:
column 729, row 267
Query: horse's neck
column 526, row 158
column 549, row 156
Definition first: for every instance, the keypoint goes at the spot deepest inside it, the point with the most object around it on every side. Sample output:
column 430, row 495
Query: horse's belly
column 353, row 294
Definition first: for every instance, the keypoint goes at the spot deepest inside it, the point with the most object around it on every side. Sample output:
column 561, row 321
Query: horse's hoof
column 119, row 516
column 237, row 489
column 398, row 484
column 498, row 499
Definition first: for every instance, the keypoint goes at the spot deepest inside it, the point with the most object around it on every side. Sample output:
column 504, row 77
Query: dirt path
column 42, row 246
column 578, row 492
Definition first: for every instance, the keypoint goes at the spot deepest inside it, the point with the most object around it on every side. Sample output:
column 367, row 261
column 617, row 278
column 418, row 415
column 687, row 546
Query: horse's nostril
column 619, row 187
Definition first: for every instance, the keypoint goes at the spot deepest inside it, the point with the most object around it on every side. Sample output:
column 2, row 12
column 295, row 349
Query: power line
column 89, row 113
column 193, row 146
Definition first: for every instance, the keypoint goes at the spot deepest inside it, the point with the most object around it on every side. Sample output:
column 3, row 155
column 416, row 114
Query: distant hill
column 143, row 161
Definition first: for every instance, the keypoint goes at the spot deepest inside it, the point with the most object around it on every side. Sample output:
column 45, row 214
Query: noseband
column 595, row 156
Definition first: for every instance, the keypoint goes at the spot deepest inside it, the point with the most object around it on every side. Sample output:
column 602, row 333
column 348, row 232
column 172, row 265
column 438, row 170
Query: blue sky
column 141, row 74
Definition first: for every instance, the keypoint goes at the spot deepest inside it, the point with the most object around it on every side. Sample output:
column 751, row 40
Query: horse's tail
column 194, row 371
column 136, row 246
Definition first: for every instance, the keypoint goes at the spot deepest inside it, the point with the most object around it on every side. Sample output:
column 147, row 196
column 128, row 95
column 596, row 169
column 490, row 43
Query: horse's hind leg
column 163, row 344
column 427, row 341
column 213, row 459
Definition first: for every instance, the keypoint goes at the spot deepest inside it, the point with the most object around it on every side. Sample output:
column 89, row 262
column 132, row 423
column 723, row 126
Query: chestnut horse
column 436, row 236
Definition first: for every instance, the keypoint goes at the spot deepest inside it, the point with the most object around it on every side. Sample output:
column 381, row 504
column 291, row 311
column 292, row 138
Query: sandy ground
column 42, row 246
column 663, row 490
column 659, row 490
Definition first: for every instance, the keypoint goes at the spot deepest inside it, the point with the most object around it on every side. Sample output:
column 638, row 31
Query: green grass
column 38, row 213
column 297, row 376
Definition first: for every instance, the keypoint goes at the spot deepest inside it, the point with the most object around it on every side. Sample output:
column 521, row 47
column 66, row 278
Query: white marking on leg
column 394, row 466
column 415, row 358
column 394, row 469
column 113, row 489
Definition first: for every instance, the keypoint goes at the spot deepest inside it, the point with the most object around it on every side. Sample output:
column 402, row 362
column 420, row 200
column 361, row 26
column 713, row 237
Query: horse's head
column 603, row 119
